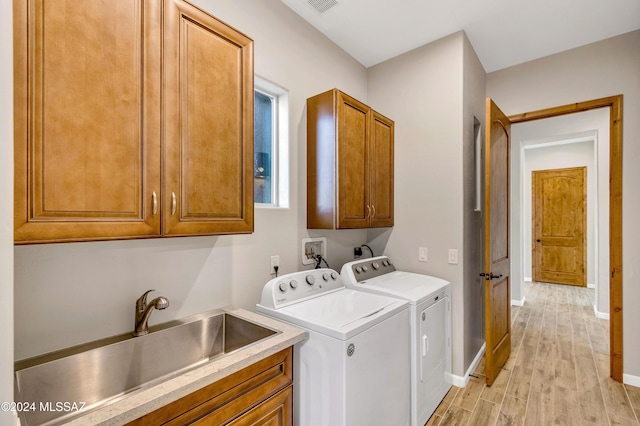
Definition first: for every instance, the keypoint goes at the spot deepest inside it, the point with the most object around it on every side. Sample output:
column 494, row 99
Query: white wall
column 559, row 157
column 422, row 91
column 75, row 292
column 601, row 69
column 6, row 209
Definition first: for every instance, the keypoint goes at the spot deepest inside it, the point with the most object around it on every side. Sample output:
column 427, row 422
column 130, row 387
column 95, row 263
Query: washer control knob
column 283, row 287
column 325, row 276
column 334, row 276
column 375, row 265
column 358, row 269
column 310, row 279
column 293, row 284
column 364, row 268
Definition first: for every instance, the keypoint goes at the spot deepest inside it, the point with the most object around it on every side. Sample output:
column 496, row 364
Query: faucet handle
column 141, row 303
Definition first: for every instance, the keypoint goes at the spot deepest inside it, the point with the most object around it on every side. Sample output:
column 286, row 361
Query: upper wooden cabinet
column 349, row 164
column 208, row 124
column 118, row 114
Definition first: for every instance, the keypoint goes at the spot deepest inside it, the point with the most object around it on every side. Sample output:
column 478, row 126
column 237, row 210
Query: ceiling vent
column 322, row 5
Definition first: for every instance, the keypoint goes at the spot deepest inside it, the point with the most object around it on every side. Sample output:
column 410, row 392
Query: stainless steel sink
column 104, row 371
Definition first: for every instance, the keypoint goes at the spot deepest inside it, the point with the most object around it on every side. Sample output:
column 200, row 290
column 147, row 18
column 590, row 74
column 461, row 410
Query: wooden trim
column 614, row 103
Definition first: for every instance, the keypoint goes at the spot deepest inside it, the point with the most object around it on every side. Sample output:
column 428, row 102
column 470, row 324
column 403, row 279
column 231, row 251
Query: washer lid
column 410, row 286
column 343, row 313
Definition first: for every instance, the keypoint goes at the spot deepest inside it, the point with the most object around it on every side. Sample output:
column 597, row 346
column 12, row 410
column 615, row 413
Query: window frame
column 280, row 185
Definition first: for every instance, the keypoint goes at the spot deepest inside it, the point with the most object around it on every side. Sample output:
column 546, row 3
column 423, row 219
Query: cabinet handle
column 368, row 211
column 374, row 211
column 173, row 203
column 154, row 197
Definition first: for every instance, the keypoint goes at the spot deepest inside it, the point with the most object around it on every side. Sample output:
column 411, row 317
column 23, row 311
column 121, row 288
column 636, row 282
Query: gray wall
column 70, row 293
column 473, row 285
column 601, row 69
column 433, row 94
column 6, row 209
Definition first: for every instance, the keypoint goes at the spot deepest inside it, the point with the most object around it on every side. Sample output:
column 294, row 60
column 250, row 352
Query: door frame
column 536, row 220
column 614, row 103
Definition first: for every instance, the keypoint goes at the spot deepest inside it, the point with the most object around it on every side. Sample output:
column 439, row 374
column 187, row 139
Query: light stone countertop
column 146, row 400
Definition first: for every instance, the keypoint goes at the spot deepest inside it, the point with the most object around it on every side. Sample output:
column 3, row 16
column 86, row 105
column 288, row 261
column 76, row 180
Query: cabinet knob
column 154, row 209
column 173, row 203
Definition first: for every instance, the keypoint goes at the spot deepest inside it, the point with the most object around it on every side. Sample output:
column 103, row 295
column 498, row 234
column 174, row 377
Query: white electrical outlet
column 453, row 256
column 422, row 254
column 275, row 262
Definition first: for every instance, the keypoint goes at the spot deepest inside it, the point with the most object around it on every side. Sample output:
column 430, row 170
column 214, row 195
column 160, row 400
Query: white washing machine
column 353, row 368
column 430, row 305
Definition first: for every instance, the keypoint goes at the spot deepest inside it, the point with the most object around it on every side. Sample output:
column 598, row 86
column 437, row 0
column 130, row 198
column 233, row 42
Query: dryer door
column 433, row 340
column 434, row 355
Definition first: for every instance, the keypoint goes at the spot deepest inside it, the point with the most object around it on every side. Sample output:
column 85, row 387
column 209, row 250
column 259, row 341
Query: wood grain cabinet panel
column 87, row 119
column 260, row 394
column 208, row 115
column 349, row 164
column 113, row 98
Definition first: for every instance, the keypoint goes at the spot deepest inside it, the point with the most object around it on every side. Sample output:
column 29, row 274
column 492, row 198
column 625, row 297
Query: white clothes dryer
column 353, row 368
column 430, row 326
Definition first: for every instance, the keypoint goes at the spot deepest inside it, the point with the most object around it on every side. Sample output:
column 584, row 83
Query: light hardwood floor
column 558, row 372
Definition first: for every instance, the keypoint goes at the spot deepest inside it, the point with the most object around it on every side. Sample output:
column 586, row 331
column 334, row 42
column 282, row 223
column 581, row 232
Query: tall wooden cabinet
column 349, row 164
column 119, row 125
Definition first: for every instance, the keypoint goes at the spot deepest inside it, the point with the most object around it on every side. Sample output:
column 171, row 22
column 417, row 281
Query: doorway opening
column 614, row 104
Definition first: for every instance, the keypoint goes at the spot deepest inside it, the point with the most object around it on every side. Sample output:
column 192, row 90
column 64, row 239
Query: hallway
column 558, row 371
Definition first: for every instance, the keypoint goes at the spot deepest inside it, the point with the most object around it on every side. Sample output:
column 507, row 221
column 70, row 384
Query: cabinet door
column 275, row 411
column 354, row 207
column 87, row 110
column 208, row 124
column 381, row 162
column 266, row 384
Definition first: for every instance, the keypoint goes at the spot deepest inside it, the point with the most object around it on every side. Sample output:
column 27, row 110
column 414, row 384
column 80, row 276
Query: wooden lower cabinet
column 275, row 411
column 260, row 394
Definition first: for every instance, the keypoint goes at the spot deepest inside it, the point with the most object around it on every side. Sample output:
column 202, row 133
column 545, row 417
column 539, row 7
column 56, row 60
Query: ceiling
column 503, row 32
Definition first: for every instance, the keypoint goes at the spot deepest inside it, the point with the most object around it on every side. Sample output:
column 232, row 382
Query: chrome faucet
column 143, row 311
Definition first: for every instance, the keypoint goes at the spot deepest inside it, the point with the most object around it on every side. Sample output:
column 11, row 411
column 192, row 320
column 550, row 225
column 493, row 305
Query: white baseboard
column 518, row 302
column 527, row 279
column 601, row 315
column 591, row 285
column 631, row 380
column 461, row 382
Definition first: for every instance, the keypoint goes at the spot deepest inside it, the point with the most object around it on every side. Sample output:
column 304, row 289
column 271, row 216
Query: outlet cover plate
column 313, row 243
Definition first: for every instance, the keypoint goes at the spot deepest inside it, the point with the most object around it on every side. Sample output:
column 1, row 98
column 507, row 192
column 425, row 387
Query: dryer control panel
column 369, row 268
column 296, row 286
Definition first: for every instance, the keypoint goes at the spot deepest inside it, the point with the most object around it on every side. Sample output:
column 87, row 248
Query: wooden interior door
column 353, row 165
column 497, row 293
column 559, row 223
